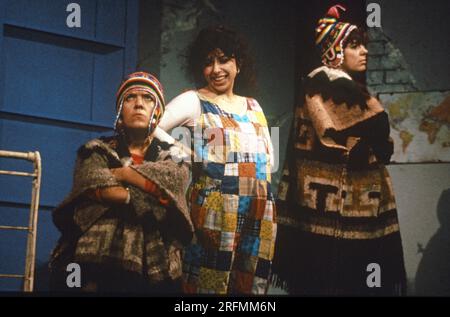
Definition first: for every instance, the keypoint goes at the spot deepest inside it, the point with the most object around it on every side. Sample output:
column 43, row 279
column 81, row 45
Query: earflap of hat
column 155, row 117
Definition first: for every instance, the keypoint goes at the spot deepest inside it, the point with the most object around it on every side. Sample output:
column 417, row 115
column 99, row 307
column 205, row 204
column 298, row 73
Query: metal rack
column 35, row 158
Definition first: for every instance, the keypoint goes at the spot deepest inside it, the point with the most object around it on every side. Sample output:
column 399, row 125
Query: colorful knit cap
column 330, row 36
column 146, row 82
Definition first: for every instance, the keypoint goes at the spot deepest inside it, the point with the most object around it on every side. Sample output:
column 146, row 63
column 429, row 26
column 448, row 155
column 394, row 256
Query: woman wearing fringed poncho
column 126, row 219
column 337, row 215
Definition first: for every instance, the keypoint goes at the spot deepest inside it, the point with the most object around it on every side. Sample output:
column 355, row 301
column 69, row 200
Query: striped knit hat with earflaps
column 330, row 36
column 148, row 83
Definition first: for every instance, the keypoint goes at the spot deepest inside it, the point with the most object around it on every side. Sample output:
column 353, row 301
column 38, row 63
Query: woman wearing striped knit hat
column 126, row 218
column 338, row 225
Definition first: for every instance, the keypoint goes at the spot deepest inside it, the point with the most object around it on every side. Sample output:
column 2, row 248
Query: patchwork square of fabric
column 193, row 255
column 240, row 223
column 249, row 142
column 215, row 170
column 232, row 141
column 231, row 169
column 215, row 154
column 210, row 258
column 189, row 284
column 261, row 119
column 232, row 157
column 246, row 157
column 213, row 220
column 210, row 239
column 261, row 158
column 244, row 204
column 229, row 222
column 240, row 119
column 247, row 186
column 247, row 127
column 224, row 260
column 246, row 263
column 269, row 211
column 252, row 227
column 230, row 185
column 214, row 201
column 227, row 241
column 249, row 245
column 267, row 228
column 261, row 171
column 251, row 116
column 213, row 280
column 266, row 249
column 228, row 122
column 242, row 282
column 247, row 170
column 262, row 141
column 262, row 188
column 230, row 203
column 258, row 208
column 210, row 108
column 211, row 122
column 214, row 136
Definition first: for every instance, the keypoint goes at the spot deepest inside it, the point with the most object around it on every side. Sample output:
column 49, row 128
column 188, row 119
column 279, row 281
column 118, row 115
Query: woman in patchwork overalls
column 232, row 206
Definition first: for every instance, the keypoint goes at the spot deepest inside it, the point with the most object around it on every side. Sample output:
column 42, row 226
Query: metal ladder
column 30, row 259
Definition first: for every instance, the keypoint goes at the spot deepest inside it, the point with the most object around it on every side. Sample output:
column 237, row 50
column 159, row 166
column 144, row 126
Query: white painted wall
column 418, row 188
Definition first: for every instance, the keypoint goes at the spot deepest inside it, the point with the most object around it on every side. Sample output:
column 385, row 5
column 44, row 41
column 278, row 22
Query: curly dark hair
column 232, row 44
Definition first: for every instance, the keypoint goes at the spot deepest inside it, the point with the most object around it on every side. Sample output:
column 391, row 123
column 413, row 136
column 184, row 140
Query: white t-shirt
column 183, row 110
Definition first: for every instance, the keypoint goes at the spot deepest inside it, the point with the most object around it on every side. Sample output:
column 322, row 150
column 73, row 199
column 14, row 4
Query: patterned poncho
column 336, row 208
column 144, row 237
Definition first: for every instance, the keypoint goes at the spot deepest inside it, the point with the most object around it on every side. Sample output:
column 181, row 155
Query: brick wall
column 388, row 71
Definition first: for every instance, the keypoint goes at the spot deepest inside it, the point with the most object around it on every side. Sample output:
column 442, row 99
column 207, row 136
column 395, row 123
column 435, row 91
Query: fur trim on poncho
column 143, row 234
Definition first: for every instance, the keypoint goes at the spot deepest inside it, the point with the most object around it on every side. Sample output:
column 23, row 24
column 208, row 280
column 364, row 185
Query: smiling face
column 138, row 105
column 355, row 57
column 220, row 72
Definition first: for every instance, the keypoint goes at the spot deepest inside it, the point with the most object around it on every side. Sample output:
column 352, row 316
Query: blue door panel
column 54, row 73
column 104, row 93
column 51, row 74
column 57, row 91
column 47, row 237
column 13, row 248
column 111, row 20
column 51, row 16
column 101, row 20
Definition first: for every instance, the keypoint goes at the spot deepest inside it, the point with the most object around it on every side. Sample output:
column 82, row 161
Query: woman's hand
column 129, row 176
